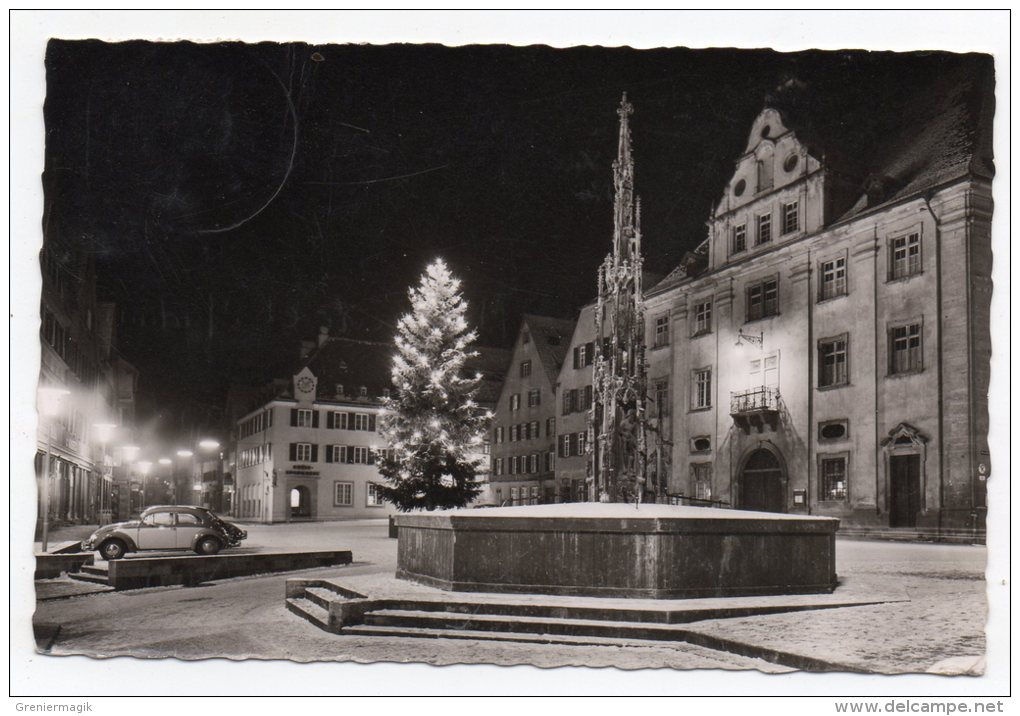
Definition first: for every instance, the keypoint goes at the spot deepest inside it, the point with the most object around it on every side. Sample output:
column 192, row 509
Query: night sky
column 239, row 196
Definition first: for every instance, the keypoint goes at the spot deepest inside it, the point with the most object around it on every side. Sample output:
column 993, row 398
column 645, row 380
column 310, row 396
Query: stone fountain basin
column 618, row 550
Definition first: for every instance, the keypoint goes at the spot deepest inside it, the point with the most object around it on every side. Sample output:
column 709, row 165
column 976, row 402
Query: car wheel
column 208, row 545
column 112, row 549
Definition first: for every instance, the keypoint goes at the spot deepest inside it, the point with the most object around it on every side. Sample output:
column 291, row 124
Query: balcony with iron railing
column 755, row 408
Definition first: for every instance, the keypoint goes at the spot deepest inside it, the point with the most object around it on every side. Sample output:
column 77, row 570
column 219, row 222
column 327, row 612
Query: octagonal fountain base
column 616, row 550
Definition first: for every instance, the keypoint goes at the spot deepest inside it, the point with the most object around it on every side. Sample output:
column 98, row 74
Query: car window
column 186, row 518
column 159, row 519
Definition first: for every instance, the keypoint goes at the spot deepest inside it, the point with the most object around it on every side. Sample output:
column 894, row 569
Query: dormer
column 775, row 194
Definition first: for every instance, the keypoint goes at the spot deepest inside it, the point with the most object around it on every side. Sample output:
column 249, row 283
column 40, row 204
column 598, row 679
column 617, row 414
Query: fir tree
column 433, row 423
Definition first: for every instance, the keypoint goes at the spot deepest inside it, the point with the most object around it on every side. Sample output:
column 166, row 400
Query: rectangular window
column 304, row 418
column 534, row 397
column 360, row 455
column 343, row 494
column 514, row 496
column 662, row 398
column 373, row 498
column 361, row 421
column 514, row 433
column 303, row 452
column 525, row 368
column 568, row 402
column 565, row 445
column 499, row 434
column 533, row 433
column 832, row 362
column 550, row 427
column 661, row 331
column 582, row 440
column 739, row 239
column 497, row 466
column 701, row 480
column 550, row 461
column 763, row 299
column 905, row 256
column 833, row 477
column 791, row 218
column 703, row 317
column 905, row 349
column 533, row 463
column 701, row 388
column 764, row 234
column 833, row 275
column 515, row 401
column 336, row 453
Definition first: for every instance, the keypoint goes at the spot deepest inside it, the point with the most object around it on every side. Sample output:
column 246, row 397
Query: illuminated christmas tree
column 433, row 423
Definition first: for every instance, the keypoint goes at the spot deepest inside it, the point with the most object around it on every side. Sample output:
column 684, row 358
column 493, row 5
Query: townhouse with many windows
column 831, row 354
column 524, row 425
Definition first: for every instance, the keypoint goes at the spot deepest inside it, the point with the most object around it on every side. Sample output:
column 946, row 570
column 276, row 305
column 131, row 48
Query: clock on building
column 305, row 384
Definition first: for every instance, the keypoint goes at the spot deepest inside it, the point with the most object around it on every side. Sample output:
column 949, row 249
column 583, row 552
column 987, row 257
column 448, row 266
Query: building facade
column 87, row 393
column 826, row 350
column 524, row 424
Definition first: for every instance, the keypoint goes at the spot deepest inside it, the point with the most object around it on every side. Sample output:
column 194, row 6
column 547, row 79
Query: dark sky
column 239, row 196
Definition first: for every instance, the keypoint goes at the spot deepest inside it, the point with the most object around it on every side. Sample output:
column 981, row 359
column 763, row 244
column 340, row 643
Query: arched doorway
column 762, row 483
column 300, row 502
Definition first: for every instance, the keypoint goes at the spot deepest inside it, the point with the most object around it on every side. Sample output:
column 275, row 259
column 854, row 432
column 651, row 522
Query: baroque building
column 308, row 449
column 826, row 349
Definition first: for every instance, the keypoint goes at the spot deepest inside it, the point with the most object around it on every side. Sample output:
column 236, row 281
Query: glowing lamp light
column 130, row 452
column 144, row 466
column 51, row 400
column 208, row 444
column 165, row 461
column 184, row 453
column 104, row 431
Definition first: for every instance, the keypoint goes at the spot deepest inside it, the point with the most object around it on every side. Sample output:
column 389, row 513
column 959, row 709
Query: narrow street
column 246, row 618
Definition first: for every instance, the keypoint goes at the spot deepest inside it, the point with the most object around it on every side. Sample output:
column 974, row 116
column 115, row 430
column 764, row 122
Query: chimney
column 323, row 335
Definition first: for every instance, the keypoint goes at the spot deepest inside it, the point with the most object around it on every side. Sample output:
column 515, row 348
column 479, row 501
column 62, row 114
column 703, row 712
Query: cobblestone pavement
column 246, row 618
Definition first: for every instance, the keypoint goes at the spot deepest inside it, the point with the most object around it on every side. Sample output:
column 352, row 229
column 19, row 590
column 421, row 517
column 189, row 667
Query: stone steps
column 310, row 611
column 84, row 576
column 482, row 622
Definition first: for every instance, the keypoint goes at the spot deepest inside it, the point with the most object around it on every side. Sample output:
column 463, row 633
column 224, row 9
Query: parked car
column 166, row 527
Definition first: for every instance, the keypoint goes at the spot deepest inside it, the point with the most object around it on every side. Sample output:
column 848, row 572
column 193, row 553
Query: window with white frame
column 764, row 229
column 905, row 256
column 304, row 418
column 550, row 427
column 303, row 452
column 905, row 348
column 336, row 453
column 497, row 466
column 701, row 388
column 343, row 494
column 499, row 434
column 534, row 397
column 533, row 430
column 515, row 401
column 833, row 278
column 703, row 317
column 832, row 362
column 525, row 368
column 763, row 299
column 701, row 480
column 533, row 463
column 361, row 421
column 514, row 432
column 373, row 496
column 832, row 472
column 791, row 217
column 739, row 243
column 360, row 455
column 661, row 331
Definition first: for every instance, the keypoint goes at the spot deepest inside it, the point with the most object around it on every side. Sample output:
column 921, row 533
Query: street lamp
column 104, row 431
column 208, row 444
column 51, row 401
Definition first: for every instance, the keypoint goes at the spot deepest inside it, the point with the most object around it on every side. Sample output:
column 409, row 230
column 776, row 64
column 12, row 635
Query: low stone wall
column 49, row 566
column 657, row 551
column 190, row 570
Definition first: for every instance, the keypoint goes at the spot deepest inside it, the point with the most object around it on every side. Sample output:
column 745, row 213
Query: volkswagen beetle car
column 166, row 527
